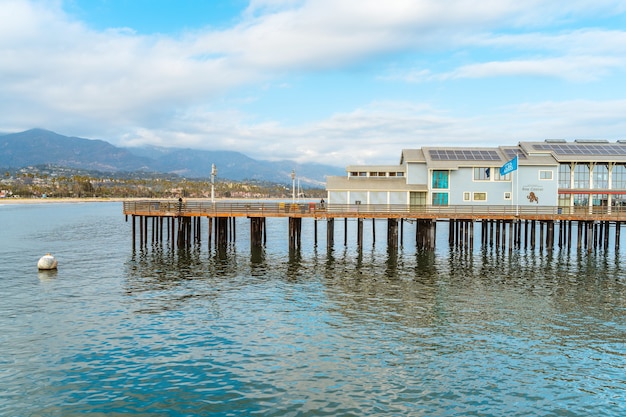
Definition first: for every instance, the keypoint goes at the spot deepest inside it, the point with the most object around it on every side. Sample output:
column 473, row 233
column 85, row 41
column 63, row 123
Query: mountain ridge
column 40, row 146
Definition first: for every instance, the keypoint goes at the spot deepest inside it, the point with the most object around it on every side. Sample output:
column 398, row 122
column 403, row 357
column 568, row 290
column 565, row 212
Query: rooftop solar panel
column 512, row 153
column 582, row 149
column 463, row 155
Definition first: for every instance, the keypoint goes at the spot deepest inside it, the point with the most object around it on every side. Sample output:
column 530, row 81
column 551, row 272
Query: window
column 545, row 175
column 565, row 176
column 382, row 174
column 418, row 198
column 498, row 177
column 599, row 199
column 373, row 174
column 581, row 200
column 440, row 199
column 482, row 173
column 619, row 177
column 581, row 176
column 480, row 196
column 565, row 200
column 398, row 174
column 440, row 179
column 601, row 176
column 362, row 174
column 354, row 174
column 466, row 196
column 618, row 200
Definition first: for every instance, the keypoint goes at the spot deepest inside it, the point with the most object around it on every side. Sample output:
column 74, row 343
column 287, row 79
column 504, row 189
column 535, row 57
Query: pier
column 503, row 227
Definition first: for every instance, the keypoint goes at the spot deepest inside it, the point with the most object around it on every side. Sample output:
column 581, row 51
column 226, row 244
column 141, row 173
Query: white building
column 549, row 173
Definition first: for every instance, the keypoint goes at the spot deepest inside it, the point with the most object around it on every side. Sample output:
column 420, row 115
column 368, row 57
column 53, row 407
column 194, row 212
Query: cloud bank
column 414, row 62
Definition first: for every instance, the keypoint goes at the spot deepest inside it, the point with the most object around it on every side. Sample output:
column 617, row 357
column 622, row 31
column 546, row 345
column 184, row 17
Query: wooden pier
column 510, row 227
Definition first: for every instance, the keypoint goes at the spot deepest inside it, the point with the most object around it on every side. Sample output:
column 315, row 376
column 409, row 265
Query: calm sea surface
column 201, row 332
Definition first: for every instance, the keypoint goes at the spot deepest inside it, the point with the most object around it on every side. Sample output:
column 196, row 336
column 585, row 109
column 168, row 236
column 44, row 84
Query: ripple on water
column 199, row 332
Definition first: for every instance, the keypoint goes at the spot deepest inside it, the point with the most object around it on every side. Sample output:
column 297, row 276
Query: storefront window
column 601, row 176
column 565, row 180
column 619, row 177
column 581, row 176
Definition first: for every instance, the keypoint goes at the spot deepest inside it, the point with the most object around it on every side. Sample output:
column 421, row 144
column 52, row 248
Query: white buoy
column 47, row 262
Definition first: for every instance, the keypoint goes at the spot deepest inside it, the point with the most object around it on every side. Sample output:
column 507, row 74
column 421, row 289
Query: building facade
column 583, row 173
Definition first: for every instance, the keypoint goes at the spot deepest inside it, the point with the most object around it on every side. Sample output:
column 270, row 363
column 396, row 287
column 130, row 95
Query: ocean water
column 316, row 332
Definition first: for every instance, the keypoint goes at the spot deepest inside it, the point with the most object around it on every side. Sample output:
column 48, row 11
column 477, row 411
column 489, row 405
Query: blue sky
column 331, row 81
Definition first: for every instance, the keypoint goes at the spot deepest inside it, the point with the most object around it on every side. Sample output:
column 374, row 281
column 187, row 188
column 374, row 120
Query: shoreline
column 69, row 200
column 11, row 200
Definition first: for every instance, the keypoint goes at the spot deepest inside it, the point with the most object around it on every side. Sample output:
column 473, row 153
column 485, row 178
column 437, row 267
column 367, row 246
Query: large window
column 581, row 176
column 599, row 199
column 581, row 200
column 619, row 177
column 601, row 176
column 565, row 177
column 440, row 179
column 440, row 199
column 565, row 200
column 618, row 200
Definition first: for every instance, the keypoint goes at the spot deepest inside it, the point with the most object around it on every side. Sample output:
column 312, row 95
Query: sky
column 338, row 82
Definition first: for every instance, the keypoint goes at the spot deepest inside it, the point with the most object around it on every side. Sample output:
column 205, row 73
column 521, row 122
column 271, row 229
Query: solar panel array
column 512, row 152
column 582, row 149
column 463, row 155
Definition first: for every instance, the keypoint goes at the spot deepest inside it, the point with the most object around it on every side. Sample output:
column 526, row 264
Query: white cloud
column 58, row 73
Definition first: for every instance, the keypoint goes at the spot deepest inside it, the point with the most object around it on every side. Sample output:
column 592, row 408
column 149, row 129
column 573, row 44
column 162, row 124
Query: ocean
column 205, row 331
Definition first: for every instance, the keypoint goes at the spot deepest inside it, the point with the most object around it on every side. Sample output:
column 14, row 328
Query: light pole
column 213, row 174
column 293, row 186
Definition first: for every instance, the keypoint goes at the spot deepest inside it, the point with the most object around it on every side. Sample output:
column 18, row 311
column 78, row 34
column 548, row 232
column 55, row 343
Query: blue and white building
column 583, row 173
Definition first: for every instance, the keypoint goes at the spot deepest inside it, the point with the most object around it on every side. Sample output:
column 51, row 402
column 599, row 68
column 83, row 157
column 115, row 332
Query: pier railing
column 255, row 208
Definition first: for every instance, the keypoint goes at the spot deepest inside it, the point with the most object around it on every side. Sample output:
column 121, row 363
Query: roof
column 578, row 151
column 375, row 168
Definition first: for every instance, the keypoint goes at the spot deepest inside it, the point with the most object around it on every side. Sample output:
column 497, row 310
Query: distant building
column 550, row 173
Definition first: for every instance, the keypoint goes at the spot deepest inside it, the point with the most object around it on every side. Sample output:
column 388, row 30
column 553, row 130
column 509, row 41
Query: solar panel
column 582, row 149
column 513, row 152
column 463, row 155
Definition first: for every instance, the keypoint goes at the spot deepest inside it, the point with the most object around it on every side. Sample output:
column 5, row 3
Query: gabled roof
column 411, row 155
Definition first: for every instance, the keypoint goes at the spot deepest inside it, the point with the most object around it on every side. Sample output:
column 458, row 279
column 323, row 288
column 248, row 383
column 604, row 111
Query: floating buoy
column 47, row 262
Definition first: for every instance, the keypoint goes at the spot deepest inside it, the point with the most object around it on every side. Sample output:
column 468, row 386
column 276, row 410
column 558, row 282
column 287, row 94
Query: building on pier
column 579, row 174
column 552, row 185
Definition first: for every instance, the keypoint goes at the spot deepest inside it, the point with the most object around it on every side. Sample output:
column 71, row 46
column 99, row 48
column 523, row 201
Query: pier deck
column 201, row 208
column 505, row 225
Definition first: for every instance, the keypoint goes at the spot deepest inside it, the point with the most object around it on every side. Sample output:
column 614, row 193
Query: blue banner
column 508, row 167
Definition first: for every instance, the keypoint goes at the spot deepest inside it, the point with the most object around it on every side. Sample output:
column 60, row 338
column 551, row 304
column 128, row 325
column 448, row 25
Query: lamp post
column 213, row 174
column 293, row 186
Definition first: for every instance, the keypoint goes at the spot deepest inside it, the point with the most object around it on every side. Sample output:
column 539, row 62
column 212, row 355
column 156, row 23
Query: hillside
column 39, row 146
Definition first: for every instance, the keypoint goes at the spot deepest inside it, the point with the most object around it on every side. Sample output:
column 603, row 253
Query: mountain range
column 40, row 146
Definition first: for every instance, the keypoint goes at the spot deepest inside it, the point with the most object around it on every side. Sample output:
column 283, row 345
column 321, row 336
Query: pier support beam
column 359, row 232
column 392, row 233
column 256, row 232
column 330, row 233
column 295, row 232
column 221, row 231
